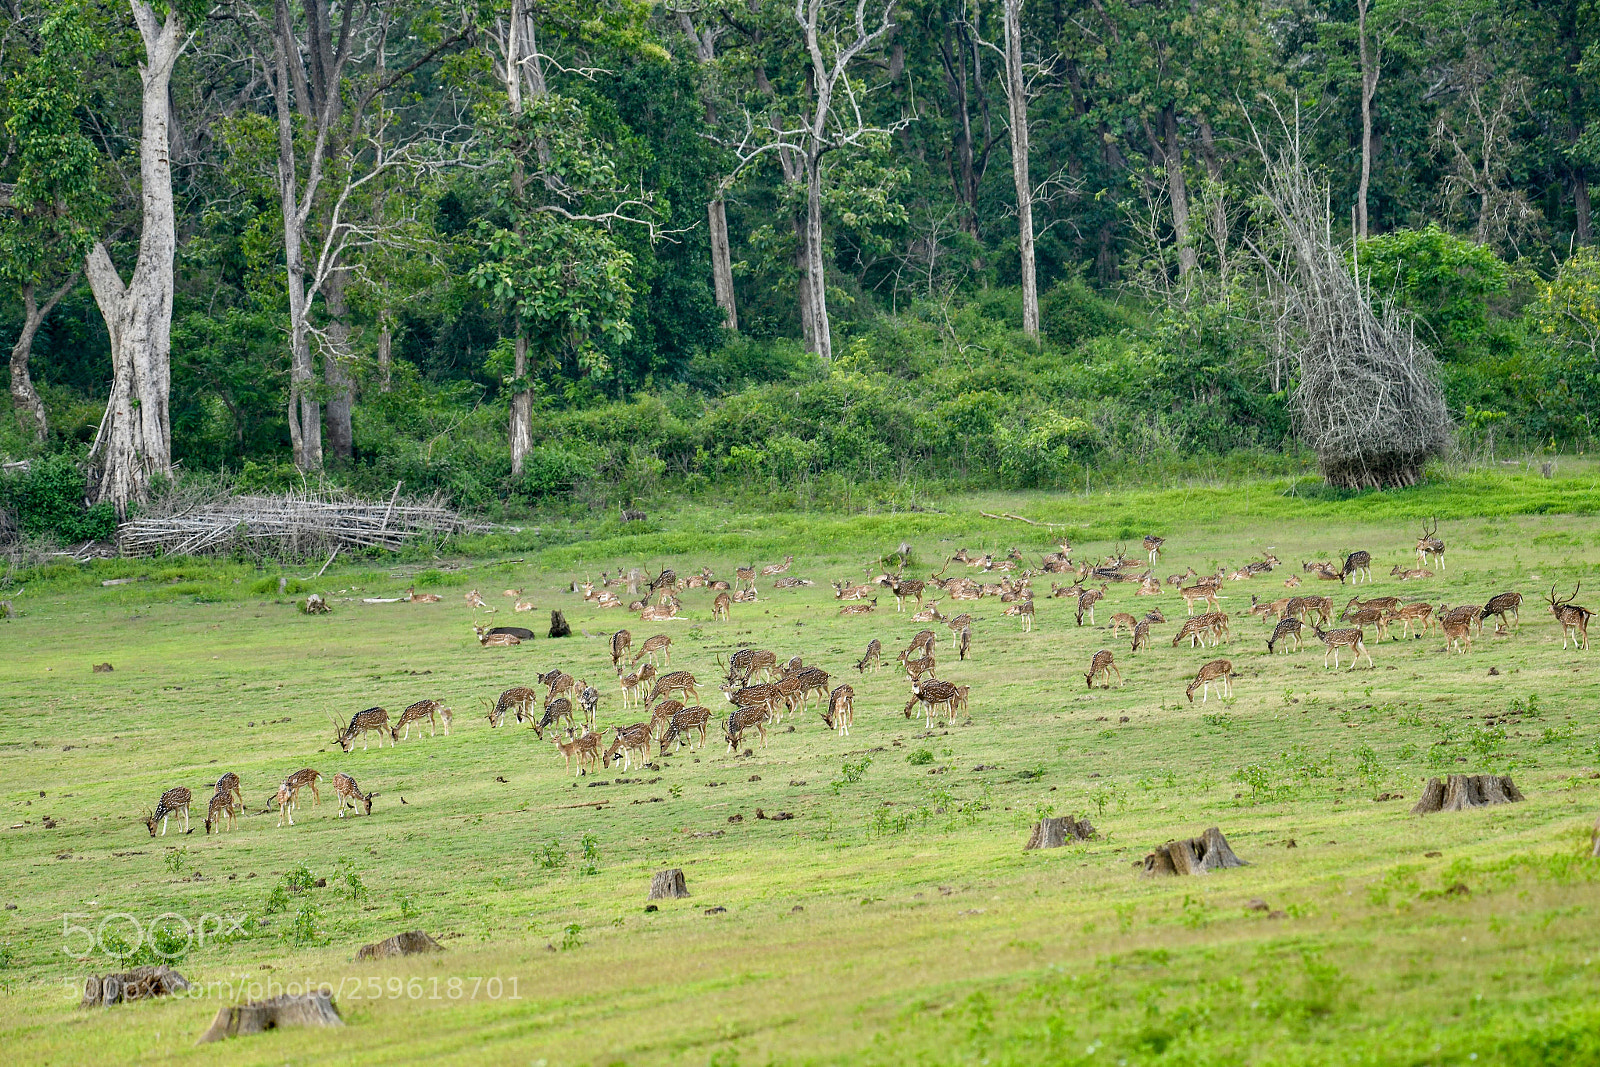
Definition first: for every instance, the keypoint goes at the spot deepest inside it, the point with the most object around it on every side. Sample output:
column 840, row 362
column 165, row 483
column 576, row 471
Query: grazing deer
column 1288, row 629
column 766, row 696
column 1429, row 544
column 658, row 649
column 1025, row 611
column 221, row 813
column 964, row 642
column 680, row 682
column 372, row 720
column 741, row 719
column 1216, row 623
column 1122, row 620
column 1502, row 605
column 1574, row 620
column 229, row 783
column 661, row 715
column 722, row 608
column 924, row 641
column 173, row 802
column 1086, row 602
column 1203, row 593
column 431, row 710
column 559, row 708
column 686, row 719
column 288, row 795
column 621, row 642
column 519, row 699
column 1365, row 616
column 1195, row 629
column 1457, row 629
column 959, row 702
column 1102, row 665
column 558, row 682
column 629, row 740
column 841, row 712
column 1334, row 640
column 873, row 657
column 1218, row 672
column 860, row 609
column 496, row 639
column 1141, row 634
column 956, row 625
column 916, row 668
column 1408, row 615
column 1356, row 564
column 744, row 663
column 930, row 695
column 348, row 792
column 1303, row 607
column 1152, row 547
column 579, row 750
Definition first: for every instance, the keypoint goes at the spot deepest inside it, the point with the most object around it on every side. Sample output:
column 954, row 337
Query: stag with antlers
column 1430, row 544
column 1574, row 620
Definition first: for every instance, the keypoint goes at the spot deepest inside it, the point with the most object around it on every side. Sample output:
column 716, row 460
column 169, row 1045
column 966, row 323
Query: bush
column 1072, row 312
column 48, row 500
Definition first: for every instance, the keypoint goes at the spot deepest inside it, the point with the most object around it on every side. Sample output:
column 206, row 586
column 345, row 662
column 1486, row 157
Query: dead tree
column 1367, row 399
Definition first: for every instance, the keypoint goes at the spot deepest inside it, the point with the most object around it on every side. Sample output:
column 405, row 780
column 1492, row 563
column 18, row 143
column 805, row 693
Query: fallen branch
column 1019, row 518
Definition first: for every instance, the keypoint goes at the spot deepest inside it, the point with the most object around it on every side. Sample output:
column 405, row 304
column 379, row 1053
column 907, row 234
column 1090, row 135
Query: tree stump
column 1054, row 833
column 558, row 625
column 1594, row 839
column 1464, row 791
column 668, row 885
column 315, row 605
column 1195, row 855
column 407, row 944
column 141, row 983
column 309, row 1009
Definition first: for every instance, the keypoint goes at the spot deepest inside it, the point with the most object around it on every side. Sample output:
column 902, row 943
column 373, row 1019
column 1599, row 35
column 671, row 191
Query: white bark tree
column 1017, row 104
column 133, row 445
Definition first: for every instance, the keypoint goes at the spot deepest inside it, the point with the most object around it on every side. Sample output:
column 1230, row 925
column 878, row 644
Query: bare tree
column 1474, row 135
column 705, row 51
column 133, row 445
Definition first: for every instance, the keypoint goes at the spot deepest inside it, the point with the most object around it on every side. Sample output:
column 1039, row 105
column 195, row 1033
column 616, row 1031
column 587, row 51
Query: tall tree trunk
column 722, row 262
column 24, row 398
column 1178, row 191
column 385, row 356
column 134, row 443
column 336, row 369
column 1369, row 90
column 1017, row 102
column 822, row 338
column 521, row 429
column 1580, row 202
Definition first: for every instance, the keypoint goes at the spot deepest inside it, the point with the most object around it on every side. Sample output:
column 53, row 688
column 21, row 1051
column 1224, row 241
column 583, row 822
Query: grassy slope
column 925, row 934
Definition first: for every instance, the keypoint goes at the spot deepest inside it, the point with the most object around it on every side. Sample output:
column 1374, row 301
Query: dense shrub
column 47, row 500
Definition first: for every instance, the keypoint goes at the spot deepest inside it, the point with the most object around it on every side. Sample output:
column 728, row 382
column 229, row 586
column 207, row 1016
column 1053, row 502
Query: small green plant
column 1104, row 795
column 591, row 855
column 354, row 887
column 408, row 905
column 571, row 937
column 851, row 773
column 1485, row 741
column 1219, row 719
column 554, row 856
column 1368, row 767
column 1555, row 735
column 292, row 884
column 921, row 757
column 307, row 926
column 1257, row 777
column 676, row 791
column 177, row 859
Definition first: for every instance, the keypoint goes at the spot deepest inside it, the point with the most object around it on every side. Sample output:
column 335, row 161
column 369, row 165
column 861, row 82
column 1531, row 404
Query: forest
column 572, row 254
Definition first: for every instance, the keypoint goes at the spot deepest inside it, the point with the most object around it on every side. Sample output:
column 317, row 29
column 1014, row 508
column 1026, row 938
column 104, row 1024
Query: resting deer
column 1102, row 665
column 1409, row 576
column 860, row 609
column 174, row 801
column 1574, row 620
column 431, row 710
column 1429, row 544
column 473, row 599
column 1177, row 580
column 372, row 720
column 776, row 568
column 873, row 658
column 1334, row 640
column 841, row 713
column 221, row 812
column 350, row 793
column 496, row 640
column 1219, row 672
column 1322, row 571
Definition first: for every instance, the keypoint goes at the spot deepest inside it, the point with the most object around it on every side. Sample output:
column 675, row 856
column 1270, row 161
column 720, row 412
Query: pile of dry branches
column 1368, row 399
column 291, row 526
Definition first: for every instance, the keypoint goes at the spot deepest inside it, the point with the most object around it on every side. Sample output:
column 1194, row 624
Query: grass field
column 895, row 918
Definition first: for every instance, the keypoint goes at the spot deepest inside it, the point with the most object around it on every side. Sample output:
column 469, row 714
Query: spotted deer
column 1502, row 605
column 1322, row 570
column 1102, row 665
column 860, row 609
column 1292, row 582
column 1141, row 634
column 579, row 750
column 372, row 720
column 629, row 740
column 589, row 701
column 288, row 795
column 1303, row 607
column 841, row 711
column 661, row 715
column 746, row 576
column 1024, row 610
column 1382, row 603
column 1219, row 672
column 873, row 658
column 496, row 640
column 1403, row 575
column 1574, row 620
column 745, row 663
column 657, row 649
column 229, row 784
column 559, row 708
column 930, row 694
column 474, row 599
column 558, row 683
column 431, row 710
column 903, row 589
column 776, row 568
column 348, row 792
column 964, row 643
column 683, row 721
column 1195, row 629
column 621, row 642
column 1334, row 640
column 1457, row 629
column 722, row 608
column 518, row 699
column 173, row 802
column 1086, row 602
column 1429, row 544
column 1288, row 629
column 680, row 682
column 1152, row 547
column 221, row 813
column 1357, row 565
column 1206, row 594
column 740, row 720
column 1409, row 615
column 843, row 590
column 956, row 625
column 1369, row 616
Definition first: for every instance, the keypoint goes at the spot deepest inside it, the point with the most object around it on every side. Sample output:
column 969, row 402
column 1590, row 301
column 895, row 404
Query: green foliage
column 553, row 856
column 47, row 500
column 851, row 772
column 921, row 757
column 1448, row 282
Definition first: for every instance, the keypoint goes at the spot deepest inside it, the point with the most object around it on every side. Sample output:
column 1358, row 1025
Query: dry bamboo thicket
column 291, row 526
column 1368, row 400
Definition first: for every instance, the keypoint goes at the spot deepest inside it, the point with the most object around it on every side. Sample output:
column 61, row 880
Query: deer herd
column 758, row 690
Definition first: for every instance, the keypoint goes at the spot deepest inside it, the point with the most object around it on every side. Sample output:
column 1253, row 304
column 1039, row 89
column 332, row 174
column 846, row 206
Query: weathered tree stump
column 1594, row 839
column 315, row 605
column 308, row 1009
column 1464, row 791
column 1054, row 833
column 407, row 944
column 1196, row 855
column 558, row 625
column 141, row 983
column 668, row 885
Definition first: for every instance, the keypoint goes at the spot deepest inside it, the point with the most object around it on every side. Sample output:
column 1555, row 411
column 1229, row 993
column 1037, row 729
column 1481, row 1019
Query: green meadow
column 854, row 900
